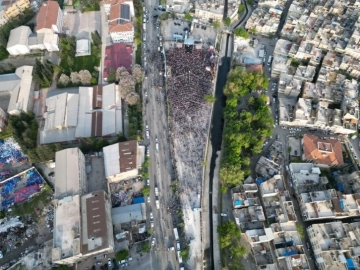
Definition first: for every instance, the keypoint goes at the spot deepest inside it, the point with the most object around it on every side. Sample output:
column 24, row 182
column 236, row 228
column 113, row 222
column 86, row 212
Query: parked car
column 109, row 262
column 152, row 224
column 153, row 241
column 171, row 248
column 148, row 199
column 151, row 215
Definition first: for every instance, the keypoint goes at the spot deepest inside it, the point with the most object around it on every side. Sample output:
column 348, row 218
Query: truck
column 176, row 234
column 156, row 191
column 157, row 204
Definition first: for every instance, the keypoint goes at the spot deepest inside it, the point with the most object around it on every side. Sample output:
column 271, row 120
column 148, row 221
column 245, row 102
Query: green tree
column 237, row 251
column 241, row 8
column 241, row 32
column 145, row 247
column 209, row 98
column 250, row 2
column 146, row 191
column 187, row 16
column 216, row 24
column 227, row 231
column 300, row 230
column 185, row 254
column 227, row 21
column 111, row 76
column 62, row 267
column 122, row 255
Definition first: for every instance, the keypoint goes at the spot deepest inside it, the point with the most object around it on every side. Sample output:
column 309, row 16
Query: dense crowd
column 189, row 80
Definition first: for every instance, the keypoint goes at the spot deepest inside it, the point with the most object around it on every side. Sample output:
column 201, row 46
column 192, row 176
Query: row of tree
column 83, row 77
column 43, row 73
column 244, row 131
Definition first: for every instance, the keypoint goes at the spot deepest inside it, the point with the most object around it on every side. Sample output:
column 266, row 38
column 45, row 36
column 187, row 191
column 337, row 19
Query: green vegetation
column 241, row 8
column 22, row 19
column 164, row 16
column 185, row 253
column 250, row 2
column 24, row 129
column 227, row 232
column 63, row 267
column 209, row 98
column 2, row 214
column 138, row 21
column 150, row 231
column 187, row 16
column 175, row 185
column 122, row 255
column 145, row 247
column 43, row 73
column 237, row 251
column 89, row 5
column 216, row 24
column 244, row 131
column 146, row 191
column 3, row 53
column 227, row 21
column 300, row 230
column 39, row 201
column 92, row 144
column 241, row 32
column 135, row 121
column 294, row 62
column 144, row 171
column 138, row 54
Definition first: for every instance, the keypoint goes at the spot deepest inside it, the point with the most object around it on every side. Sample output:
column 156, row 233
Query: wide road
column 160, row 165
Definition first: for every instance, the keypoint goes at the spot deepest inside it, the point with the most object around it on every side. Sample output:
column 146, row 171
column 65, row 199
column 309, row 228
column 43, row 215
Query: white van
column 269, row 60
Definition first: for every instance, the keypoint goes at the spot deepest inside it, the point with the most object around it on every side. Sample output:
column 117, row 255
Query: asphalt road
column 160, row 166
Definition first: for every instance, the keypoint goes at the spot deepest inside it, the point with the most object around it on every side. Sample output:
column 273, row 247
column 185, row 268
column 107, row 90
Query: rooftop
column 47, row 15
column 126, row 214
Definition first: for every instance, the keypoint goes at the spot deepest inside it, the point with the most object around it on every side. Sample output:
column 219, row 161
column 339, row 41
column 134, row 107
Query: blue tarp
column 6, row 203
column 259, row 181
column 33, row 178
column 342, row 205
column 10, row 185
column 238, row 203
column 350, row 264
column 138, row 200
column 287, row 254
column 340, row 186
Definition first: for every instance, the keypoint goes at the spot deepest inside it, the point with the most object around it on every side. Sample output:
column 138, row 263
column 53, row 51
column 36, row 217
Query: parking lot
column 81, row 25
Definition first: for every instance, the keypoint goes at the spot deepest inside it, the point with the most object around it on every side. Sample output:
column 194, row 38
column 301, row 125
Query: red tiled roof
column 125, row 27
column 47, row 15
column 326, row 152
column 117, row 55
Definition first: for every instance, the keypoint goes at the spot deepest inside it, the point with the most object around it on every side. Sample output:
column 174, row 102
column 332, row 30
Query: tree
column 241, row 32
column 227, row 231
column 146, row 191
column 237, row 251
column 63, row 267
column 241, row 8
column 122, row 255
column 185, row 254
column 96, row 38
column 300, row 230
column 75, row 78
column 64, row 79
column 250, row 2
column 132, row 98
column 145, row 247
column 138, row 73
column 111, row 76
column 187, row 16
column 216, row 24
column 85, row 77
column 209, row 98
column 227, row 21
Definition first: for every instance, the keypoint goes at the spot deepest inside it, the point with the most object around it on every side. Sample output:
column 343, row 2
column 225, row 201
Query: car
column 147, row 134
column 152, row 224
column 153, row 241
column 278, row 137
column 147, row 152
column 151, row 215
column 99, row 263
column 52, row 174
column 156, row 140
column 1, row 255
column 171, row 248
column 145, row 93
column 146, row 127
column 223, row 215
column 109, row 262
column 148, row 182
column 148, row 199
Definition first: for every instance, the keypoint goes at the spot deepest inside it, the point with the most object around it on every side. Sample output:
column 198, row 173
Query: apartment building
column 15, row 8
column 245, row 195
column 251, row 217
column 288, row 86
column 335, row 245
column 121, row 27
column 264, row 20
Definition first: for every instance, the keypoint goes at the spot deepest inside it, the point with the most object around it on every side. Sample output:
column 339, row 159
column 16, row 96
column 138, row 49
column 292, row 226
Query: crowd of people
column 188, row 82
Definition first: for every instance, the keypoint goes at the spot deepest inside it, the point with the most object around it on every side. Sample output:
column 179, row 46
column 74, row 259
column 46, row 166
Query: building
column 335, row 245
column 95, row 112
column 15, row 8
column 3, row 17
column 82, row 227
column 121, row 27
column 245, row 195
column 70, row 173
column 129, row 213
column 20, row 87
column 323, row 152
column 117, row 55
column 18, row 41
column 123, row 160
column 49, row 19
column 83, row 47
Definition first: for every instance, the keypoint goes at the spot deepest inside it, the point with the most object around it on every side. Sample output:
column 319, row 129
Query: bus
column 176, row 234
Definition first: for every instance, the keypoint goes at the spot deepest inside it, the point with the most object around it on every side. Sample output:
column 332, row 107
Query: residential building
column 107, row 5
column 15, row 8
column 245, row 195
column 117, row 55
column 49, row 19
column 3, row 17
column 272, row 186
column 95, row 112
column 323, row 152
column 288, row 86
column 70, row 173
column 282, row 47
column 121, row 27
column 18, row 41
column 251, row 217
column 19, row 86
column 209, row 11
column 335, row 245
column 258, row 236
column 123, row 160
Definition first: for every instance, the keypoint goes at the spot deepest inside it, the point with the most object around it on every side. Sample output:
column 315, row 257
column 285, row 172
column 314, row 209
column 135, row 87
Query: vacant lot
column 81, row 25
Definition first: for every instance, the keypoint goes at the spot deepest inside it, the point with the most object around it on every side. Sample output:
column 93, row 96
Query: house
column 121, row 27
column 18, row 41
column 15, row 8
column 19, row 86
column 123, row 160
column 117, row 55
column 49, row 19
column 323, row 152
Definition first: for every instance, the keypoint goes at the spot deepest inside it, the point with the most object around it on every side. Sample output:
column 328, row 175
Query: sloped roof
column 47, row 15
column 117, row 55
column 125, row 27
column 19, row 36
column 323, row 151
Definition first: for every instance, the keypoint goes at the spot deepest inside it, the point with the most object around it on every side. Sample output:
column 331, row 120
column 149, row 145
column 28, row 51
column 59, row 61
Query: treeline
column 244, row 131
column 43, row 73
column 24, row 129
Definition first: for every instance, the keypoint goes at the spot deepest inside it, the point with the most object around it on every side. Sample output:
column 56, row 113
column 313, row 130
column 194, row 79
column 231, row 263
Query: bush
column 227, row 232
column 122, row 255
column 241, row 32
column 145, row 247
column 227, row 21
column 146, row 191
column 209, row 98
column 185, row 254
column 187, row 16
column 241, row 8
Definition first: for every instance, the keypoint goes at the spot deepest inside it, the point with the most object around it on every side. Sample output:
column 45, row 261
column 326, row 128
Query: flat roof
column 67, row 228
column 128, row 213
column 67, row 172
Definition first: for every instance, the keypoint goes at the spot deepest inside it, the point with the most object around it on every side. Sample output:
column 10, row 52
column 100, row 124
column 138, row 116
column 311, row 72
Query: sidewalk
column 215, row 194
